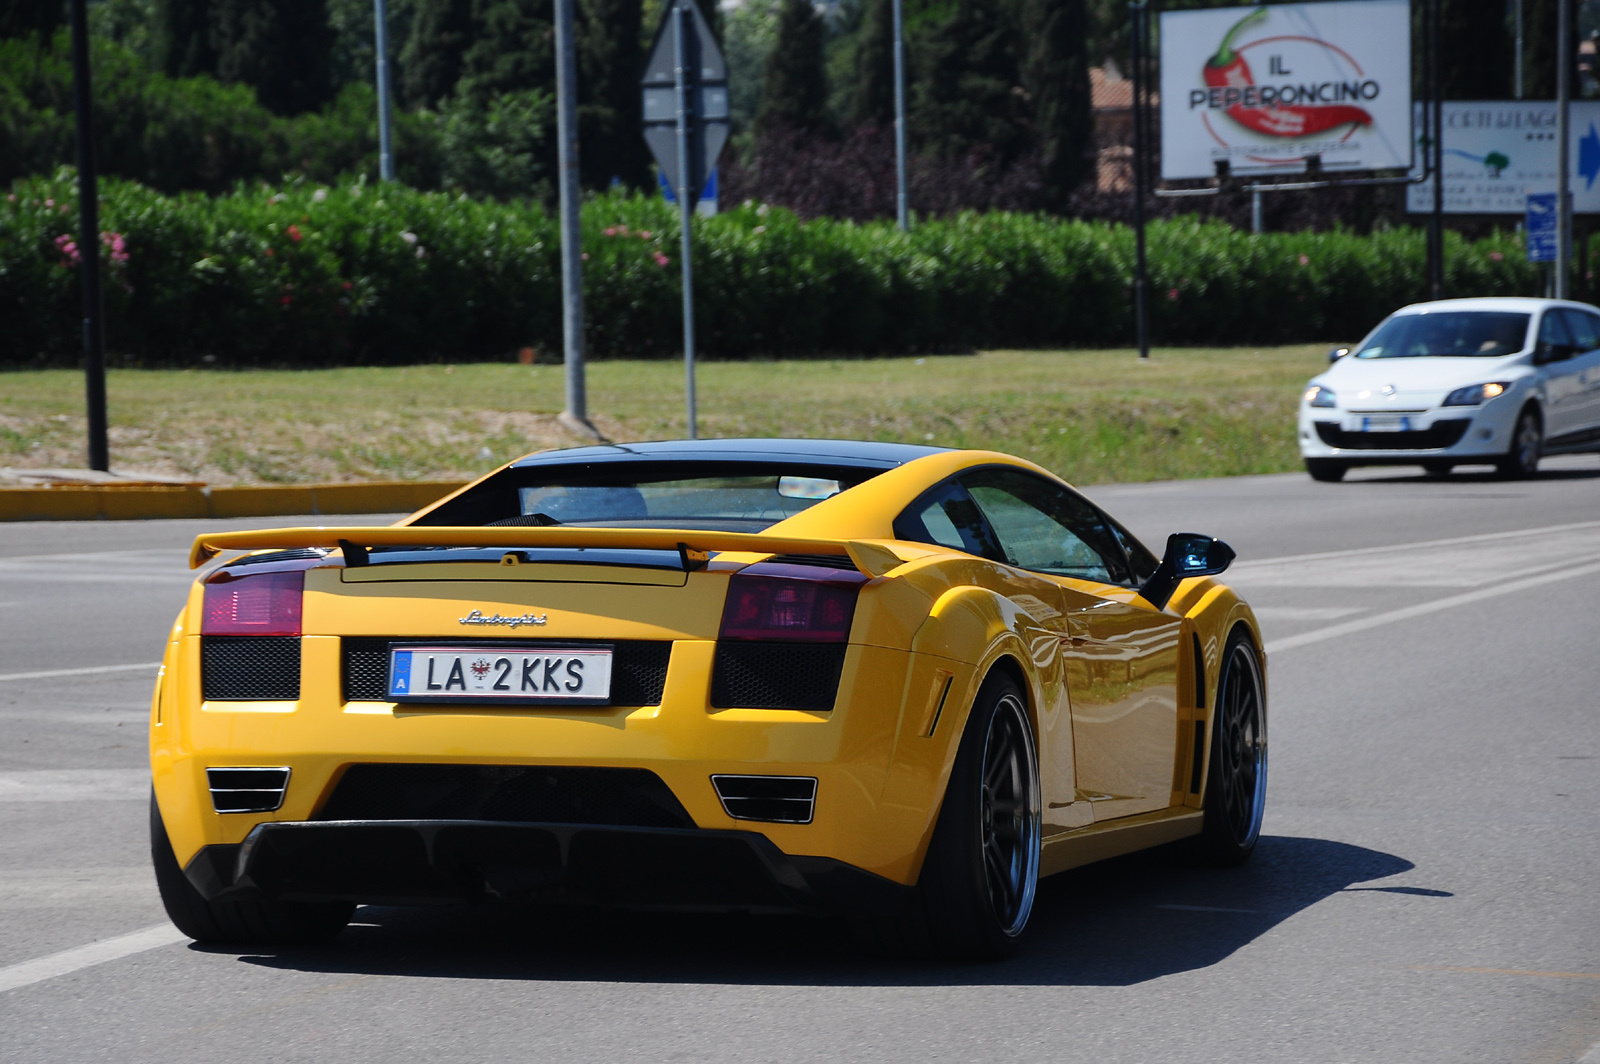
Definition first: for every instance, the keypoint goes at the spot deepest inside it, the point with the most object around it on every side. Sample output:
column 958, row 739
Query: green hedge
column 309, row 275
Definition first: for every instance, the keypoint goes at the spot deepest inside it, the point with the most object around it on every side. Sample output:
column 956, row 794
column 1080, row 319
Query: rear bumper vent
column 247, row 790
column 249, row 668
column 776, row 675
column 776, row 799
column 638, row 667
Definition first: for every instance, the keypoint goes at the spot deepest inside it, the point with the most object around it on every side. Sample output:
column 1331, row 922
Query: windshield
column 733, row 497
column 1448, row 334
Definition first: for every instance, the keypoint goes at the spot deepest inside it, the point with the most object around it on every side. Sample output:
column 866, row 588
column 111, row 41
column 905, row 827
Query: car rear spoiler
column 871, row 558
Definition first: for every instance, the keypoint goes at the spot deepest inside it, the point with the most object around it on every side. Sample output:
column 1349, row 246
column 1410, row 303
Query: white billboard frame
column 1498, row 152
column 1336, row 85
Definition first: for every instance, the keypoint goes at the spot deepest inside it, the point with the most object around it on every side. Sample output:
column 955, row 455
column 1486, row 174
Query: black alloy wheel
column 1236, row 785
column 1527, row 446
column 1327, row 470
column 982, row 869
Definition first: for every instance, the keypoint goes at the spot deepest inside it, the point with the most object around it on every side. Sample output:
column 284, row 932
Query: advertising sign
column 1498, row 153
column 1264, row 87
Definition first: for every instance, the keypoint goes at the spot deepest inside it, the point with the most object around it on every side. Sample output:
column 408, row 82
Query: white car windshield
column 1448, row 334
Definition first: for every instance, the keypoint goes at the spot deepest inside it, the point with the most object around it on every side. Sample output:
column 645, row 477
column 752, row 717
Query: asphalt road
column 1424, row 890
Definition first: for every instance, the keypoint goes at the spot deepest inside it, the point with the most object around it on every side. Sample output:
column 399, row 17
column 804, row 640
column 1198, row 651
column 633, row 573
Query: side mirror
column 1188, row 554
column 1548, row 352
column 1337, row 353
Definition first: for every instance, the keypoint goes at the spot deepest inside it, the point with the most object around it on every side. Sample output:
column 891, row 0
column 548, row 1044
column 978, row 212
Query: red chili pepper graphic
column 1228, row 70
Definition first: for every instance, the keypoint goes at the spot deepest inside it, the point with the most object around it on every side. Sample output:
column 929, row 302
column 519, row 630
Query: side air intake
column 776, row 799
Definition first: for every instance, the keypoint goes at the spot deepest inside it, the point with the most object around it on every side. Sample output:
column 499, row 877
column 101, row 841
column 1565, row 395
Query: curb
column 144, row 502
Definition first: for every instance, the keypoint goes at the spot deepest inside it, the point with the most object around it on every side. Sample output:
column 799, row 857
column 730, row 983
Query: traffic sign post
column 685, row 87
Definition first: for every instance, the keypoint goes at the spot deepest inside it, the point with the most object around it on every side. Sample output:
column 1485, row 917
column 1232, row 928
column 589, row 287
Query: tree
column 1476, row 55
column 1057, row 74
column 610, row 58
column 512, row 48
column 280, row 47
column 794, row 93
column 431, row 58
column 181, row 38
column 1539, row 49
column 969, row 97
column 874, row 97
column 28, row 18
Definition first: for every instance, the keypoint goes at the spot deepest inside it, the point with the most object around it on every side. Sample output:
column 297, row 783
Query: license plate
column 504, row 675
column 1385, row 424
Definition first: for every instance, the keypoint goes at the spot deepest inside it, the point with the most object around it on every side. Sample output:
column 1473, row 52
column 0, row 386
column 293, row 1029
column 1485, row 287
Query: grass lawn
column 1092, row 416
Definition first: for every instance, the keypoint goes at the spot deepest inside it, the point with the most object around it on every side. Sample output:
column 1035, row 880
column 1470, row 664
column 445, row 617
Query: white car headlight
column 1476, row 394
column 1317, row 395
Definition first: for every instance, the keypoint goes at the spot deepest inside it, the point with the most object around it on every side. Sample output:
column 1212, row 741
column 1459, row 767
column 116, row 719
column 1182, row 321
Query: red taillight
column 791, row 603
column 253, row 604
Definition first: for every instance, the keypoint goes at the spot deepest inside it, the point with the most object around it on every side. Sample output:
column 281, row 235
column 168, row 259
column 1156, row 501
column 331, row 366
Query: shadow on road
column 1113, row 924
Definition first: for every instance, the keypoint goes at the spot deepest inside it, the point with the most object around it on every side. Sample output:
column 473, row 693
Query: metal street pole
column 901, row 203
column 94, row 338
column 1140, row 280
column 681, row 30
column 1436, row 147
column 1563, row 136
column 576, row 414
column 1518, row 64
column 380, row 22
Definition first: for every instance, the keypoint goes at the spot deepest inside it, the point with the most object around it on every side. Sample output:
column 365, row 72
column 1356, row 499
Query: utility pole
column 902, row 209
column 1436, row 152
column 94, row 337
column 1136, row 11
column 1563, row 148
column 576, row 415
column 380, row 22
column 1518, row 63
column 681, row 73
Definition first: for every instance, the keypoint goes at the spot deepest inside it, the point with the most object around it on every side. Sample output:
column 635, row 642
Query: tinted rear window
column 729, row 496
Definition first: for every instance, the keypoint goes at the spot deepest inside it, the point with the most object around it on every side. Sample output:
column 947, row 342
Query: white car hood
column 1426, row 380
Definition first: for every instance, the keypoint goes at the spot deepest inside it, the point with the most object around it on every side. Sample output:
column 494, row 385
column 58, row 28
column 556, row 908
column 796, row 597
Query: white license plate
column 519, row 675
column 1385, row 424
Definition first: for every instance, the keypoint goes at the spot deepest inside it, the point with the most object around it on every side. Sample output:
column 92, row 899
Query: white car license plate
column 507, row 675
column 1385, row 424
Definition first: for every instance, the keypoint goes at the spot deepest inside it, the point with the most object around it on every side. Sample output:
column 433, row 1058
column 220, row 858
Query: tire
column 237, row 922
column 1327, row 470
column 978, row 881
column 1527, row 445
column 1236, row 781
column 1438, row 469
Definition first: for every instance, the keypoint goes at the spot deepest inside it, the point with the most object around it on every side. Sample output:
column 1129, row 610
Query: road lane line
column 74, row 784
column 50, row 673
column 80, row 957
column 1591, row 1057
column 1483, row 537
column 1422, row 609
column 1505, row 971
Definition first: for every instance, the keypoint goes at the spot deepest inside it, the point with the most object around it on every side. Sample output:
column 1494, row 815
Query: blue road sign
column 1589, row 157
column 707, row 193
column 1542, row 232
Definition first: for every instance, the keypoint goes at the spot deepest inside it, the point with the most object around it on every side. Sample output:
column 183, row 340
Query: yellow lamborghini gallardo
column 893, row 681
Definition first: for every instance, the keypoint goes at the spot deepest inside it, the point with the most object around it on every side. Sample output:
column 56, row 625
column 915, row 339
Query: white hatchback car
column 1459, row 382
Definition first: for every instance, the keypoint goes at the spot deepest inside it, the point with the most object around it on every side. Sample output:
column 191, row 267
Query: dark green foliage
column 969, row 96
column 31, row 18
column 181, row 38
column 512, row 49
column 1057, row 73
column 1478, row 53
column 430, row 60
column 873, row 104
column 281, row 48
column 610, row 59
column 318, row 276
column 501, row 146
column 794, row 93
column 1539, row 49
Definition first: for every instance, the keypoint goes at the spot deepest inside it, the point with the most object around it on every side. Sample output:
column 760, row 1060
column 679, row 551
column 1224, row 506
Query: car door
column 1121, row 659
column 1563, row 392
column 1584, row 327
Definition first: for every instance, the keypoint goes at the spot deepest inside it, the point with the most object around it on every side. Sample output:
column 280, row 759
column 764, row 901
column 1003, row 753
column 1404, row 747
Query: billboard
column 1264, row 87
column 1497, row 153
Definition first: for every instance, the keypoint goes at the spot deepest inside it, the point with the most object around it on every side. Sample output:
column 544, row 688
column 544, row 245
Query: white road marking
column 1422, row 609
column 1208, row 909
column 92, row 670
column 1287, row 614
column 75, row 785
column 1591, row 1057
column 55, row 888
column 1459, row 562
column 110, row 567
column 72, row 960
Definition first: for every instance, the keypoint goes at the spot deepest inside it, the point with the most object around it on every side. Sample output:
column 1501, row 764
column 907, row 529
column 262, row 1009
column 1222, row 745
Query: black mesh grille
column 776, row 675
column 1439, row 435
column 623, row 797
column 638, row 668
column 244, row 668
